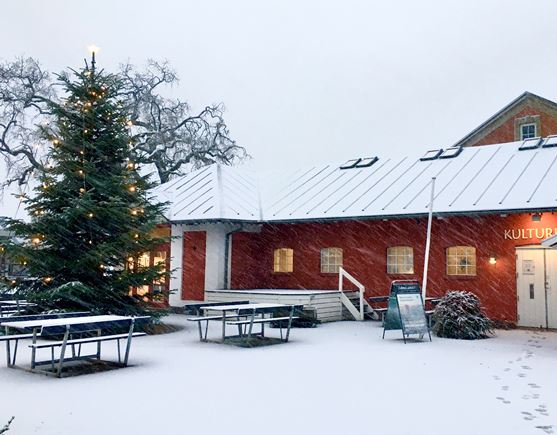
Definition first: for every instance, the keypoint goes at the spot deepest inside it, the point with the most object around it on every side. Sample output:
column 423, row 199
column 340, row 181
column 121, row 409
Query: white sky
column 311, row 81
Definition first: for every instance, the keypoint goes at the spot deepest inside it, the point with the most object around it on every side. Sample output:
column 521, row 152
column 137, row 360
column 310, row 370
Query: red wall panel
column 365, row 244
column 193, row 267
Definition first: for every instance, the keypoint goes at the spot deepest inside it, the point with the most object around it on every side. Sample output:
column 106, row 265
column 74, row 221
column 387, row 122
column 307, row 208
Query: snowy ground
column 337, row 378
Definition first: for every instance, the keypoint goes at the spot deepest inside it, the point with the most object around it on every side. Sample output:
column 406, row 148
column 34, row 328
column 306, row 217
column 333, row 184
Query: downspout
column 227, row 244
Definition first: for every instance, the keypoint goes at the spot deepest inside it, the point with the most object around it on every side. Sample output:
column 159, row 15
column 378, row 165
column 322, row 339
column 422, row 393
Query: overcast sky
column 314, row 81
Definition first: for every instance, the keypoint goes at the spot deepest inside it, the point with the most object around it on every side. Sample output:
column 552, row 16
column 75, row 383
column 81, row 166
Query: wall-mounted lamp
column 536, row 217
column 492, row 259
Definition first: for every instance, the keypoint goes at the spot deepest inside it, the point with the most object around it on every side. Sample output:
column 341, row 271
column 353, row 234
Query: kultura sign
column 529, row 233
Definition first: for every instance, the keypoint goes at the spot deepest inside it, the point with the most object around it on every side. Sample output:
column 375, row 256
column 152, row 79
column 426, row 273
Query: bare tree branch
column 167, row 136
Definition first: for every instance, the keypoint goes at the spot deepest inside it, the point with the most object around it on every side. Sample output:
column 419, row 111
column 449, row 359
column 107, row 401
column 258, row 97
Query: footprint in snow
column 546, row 429
column 521, row 375
column 505, row 388
column 526, row 367
column 508, row 369
column 496, row 378
column 528, row 415
column 532, row 385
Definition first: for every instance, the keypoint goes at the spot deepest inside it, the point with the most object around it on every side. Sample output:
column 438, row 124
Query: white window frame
column 529, row 124
column 461, row 261
column 283, row 260
column 400, row 260
column 331, row 260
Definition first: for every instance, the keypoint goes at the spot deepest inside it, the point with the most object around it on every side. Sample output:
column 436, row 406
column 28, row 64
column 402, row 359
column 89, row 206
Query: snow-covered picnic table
column 69, row 328
column 244, row 316
column 14, row 306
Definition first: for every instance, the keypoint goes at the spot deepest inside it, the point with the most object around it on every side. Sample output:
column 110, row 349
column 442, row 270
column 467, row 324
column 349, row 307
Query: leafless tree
column 168, row 136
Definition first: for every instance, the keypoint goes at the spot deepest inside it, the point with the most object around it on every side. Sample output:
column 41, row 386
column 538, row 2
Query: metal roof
column 214, row 192
column 490, row 178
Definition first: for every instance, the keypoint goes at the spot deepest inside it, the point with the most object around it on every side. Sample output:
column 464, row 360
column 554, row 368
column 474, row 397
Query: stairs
column 354, row 297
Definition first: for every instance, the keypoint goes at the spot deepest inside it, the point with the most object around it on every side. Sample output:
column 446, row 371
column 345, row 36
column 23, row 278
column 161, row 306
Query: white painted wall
column 214, row 259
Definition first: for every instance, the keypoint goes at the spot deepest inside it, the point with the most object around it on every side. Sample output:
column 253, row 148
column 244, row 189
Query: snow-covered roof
column 507, row 177
column 215, row 192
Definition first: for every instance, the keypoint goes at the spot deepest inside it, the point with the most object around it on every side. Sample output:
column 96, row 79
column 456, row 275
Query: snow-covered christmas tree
column 91, row 214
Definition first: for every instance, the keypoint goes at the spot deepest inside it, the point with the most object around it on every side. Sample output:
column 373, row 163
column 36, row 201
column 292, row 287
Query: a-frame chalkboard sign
column 406, row 310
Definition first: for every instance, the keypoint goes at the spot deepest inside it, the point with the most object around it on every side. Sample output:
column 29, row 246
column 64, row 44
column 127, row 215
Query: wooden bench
column 8, row 338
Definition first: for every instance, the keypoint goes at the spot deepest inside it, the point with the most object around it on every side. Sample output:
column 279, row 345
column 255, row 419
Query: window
column 400, row 260
column 331, row 260
column 527, row 131
column 148, row 259
column 284, row 260
column 461, row 261
column 142, row 262
column 159, row 259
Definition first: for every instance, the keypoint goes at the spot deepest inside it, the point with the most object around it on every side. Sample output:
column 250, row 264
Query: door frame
column 545, row 278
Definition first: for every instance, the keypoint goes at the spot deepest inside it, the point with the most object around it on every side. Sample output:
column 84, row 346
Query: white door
column 531, row 288
column 551, row 273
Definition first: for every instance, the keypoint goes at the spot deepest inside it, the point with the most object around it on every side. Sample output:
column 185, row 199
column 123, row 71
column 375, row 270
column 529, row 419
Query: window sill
column 462, row 277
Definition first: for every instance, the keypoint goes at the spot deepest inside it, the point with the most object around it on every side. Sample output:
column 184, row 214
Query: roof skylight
column 366, row 162
column 451, row 152
column 530, row 144
column 432, row 154
column 350, row 164
column 550, row 141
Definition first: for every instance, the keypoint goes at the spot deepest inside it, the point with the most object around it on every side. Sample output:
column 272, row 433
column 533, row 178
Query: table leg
column 8, row 348
column 98, row 345
column 62, row 352
column 129, row 343
column 289, row 323
column 34, row 349
column 223, row 326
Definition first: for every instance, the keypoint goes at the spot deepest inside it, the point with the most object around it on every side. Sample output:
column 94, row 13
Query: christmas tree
column 91, row 214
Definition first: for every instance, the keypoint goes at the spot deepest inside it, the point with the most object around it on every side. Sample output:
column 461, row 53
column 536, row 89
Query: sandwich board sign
column 406, row 310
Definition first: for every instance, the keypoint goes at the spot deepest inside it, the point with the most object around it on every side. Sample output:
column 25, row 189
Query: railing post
column 362, row 302
column 340, row 272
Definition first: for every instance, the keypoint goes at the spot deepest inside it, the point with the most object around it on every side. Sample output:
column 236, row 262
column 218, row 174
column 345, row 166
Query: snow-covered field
column 339, row 378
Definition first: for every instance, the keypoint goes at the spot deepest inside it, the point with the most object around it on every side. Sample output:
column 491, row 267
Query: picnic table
column 14, row 306
column 244, row 316
column 88, row 329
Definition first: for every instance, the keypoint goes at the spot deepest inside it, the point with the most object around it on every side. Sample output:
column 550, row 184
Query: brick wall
column 365, row 244
column 506, row 132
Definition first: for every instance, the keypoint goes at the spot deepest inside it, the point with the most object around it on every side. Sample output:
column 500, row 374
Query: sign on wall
column 529, row 233
column 528, row 267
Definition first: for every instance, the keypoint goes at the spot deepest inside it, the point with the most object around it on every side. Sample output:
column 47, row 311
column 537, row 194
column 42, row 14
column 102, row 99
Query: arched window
column 400, row 260
column 461, row 261
column 331, row 260
column 283, row 260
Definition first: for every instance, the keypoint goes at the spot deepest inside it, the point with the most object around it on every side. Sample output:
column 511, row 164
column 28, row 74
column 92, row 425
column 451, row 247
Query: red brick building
column 527, row 116
column 493, row 206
